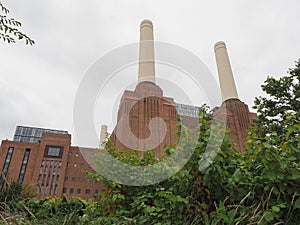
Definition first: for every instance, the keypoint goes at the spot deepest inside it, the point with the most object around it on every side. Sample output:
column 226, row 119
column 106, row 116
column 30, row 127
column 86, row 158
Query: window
column 7, row 160
column 66, row 178
column 49, row 176
column 24, row 165
column 75, row 164
column 80, row 179
column 87, row 191
column 53, row 151
column 76, row 154
column 68, row 164
column 78, row 191
column 64, row 190
column 92, row 155
column 96, row 191
column 81, row 165
column 70, row 154
column 71, row 190
column 88, row 179
column 73, row 179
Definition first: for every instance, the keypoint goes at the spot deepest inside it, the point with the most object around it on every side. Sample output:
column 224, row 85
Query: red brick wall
column 139, row 107
column 238, row 121
column 34, row 169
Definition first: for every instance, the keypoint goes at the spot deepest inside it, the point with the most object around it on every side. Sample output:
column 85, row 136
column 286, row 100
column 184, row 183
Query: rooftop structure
column 33, row 134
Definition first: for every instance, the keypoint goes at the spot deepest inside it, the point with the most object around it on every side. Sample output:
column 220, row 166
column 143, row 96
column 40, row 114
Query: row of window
column 76, row 154
column 49, row 176
column 76, row 165
column 71, row 191
column 92, row 155
column 187, row 110
column 33, row 134
column 79, row 179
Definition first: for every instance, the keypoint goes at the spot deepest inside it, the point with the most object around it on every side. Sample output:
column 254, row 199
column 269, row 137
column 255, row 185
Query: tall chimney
column 226, row 79
column 103, row 135
column 146, row 60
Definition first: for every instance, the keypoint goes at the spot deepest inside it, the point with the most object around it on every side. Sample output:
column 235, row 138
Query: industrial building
column 46, row 159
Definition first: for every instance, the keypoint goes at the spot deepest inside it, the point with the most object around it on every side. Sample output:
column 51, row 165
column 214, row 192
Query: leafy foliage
column 10, row 194
column 9, row 28
column 283, row 101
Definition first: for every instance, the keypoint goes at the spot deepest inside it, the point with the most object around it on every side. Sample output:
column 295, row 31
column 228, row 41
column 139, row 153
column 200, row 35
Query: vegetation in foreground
column 260, row 186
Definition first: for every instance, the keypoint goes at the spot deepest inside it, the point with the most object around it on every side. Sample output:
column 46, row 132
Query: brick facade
column 136, row 110
column 52, row 176
column 238, row 120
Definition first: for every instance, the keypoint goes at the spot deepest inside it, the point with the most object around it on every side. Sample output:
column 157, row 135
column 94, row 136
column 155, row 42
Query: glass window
column 80, row 179
column 18, row 130
column 66, row 178
column 7, row 160
column 53, row 151
column 71, row 190
column 76, row 154
column 96, row 191
column 78, row 191
column 70, row 154
column 73, row 179
column 75, row 164
column 87, row 191
column 64, row 190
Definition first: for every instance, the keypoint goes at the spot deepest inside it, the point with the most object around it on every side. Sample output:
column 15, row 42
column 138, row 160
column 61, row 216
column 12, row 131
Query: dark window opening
column 53, row 151
column 7, row 160
column 24, row 165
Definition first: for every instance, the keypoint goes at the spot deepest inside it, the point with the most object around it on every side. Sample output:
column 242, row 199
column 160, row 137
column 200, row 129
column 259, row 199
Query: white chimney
column 146, row 57
column 226, row 79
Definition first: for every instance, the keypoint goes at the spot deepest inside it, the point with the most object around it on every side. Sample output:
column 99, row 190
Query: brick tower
column 237, row 112
column 146, row 119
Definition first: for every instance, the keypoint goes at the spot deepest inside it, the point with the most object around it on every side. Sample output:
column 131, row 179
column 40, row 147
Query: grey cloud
column 262, row 39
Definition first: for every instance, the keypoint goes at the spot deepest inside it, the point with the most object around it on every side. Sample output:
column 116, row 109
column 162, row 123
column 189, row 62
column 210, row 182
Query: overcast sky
column 38, row 83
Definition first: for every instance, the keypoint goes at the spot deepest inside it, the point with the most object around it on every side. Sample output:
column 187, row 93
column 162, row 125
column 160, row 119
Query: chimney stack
column 146, row 57
column 226, row 79
column 103, row 135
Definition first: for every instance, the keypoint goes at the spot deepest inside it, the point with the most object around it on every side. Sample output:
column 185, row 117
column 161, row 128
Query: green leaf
column 297, row 204
column 268, row 216
column 275, row 208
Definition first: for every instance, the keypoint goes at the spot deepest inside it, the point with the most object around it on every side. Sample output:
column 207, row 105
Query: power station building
column 46, row 159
